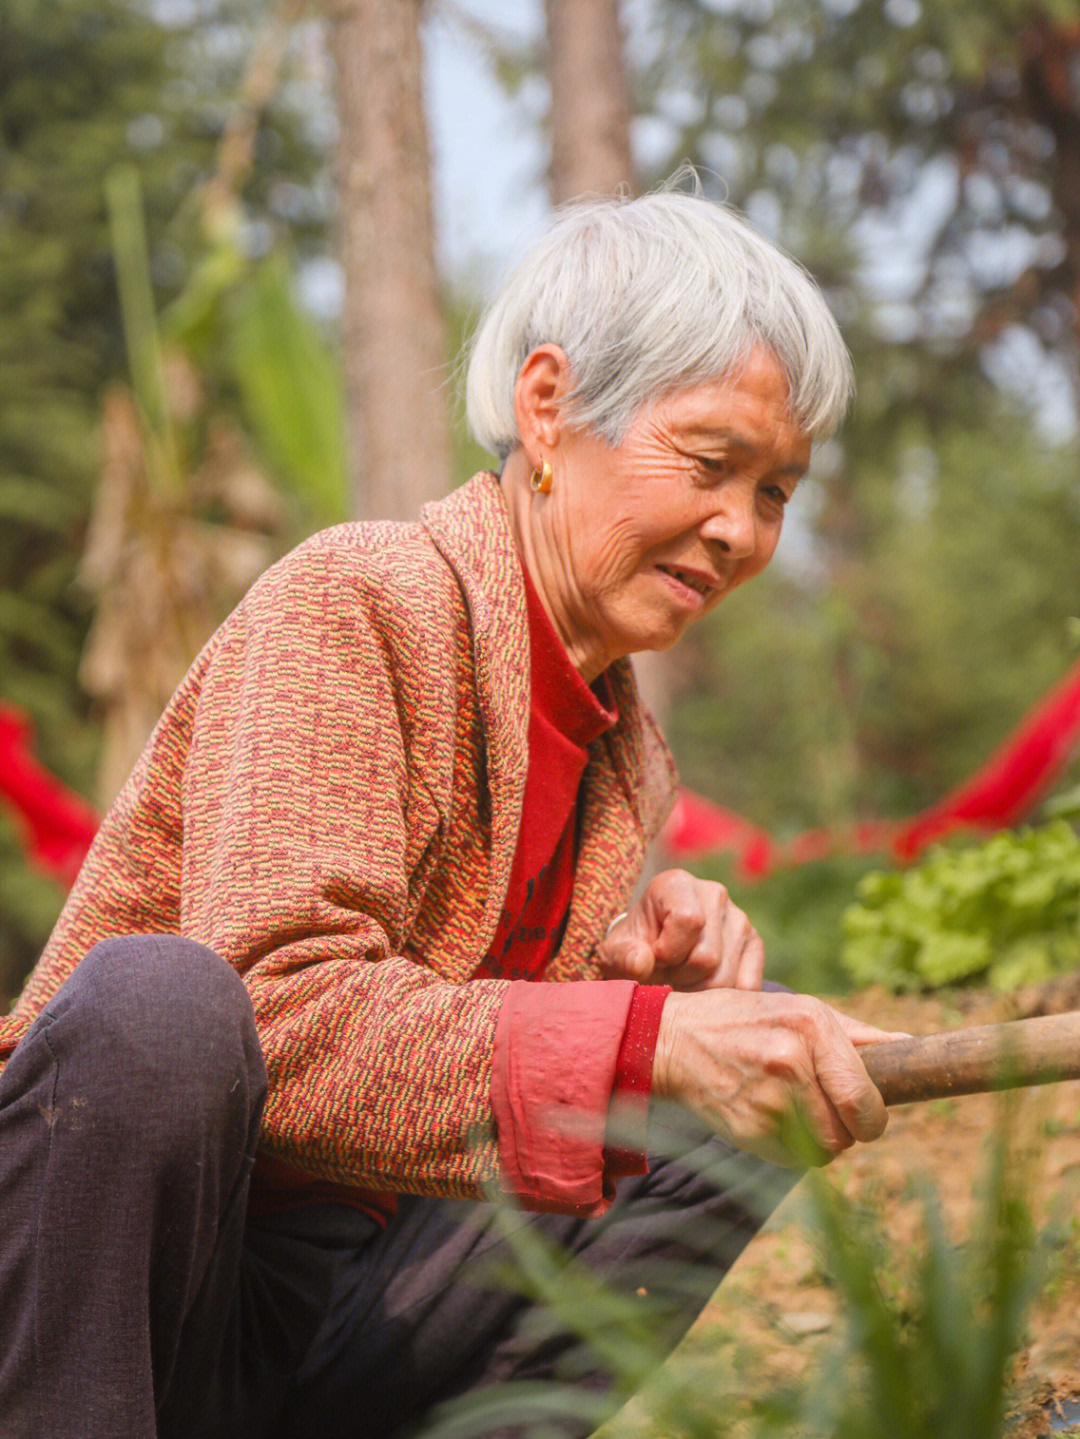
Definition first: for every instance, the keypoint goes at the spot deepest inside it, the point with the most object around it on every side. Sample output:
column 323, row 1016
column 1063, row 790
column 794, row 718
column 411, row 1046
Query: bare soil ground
column 776, row 1309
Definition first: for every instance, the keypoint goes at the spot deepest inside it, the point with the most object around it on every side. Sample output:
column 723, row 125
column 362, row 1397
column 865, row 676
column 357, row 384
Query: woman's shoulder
column 423, row 571
column 377, row 567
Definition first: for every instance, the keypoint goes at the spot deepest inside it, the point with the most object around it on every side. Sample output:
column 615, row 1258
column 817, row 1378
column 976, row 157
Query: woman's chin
column 659, row 639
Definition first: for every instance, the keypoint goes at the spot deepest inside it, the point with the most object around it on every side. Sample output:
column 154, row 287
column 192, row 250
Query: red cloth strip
column 1000, row 793
column 58, row 824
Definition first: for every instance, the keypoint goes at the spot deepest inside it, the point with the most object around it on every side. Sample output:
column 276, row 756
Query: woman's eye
column 715, row 464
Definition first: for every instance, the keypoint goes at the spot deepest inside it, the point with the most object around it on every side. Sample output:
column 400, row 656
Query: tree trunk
column 590, row 99
column 393, row 330
column 1050, row 77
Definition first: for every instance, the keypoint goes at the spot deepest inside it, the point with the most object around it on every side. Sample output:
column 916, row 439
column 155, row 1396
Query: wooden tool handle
column 972, row 1061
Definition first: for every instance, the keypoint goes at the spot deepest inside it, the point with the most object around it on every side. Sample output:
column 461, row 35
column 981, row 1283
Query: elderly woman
column 380, row 841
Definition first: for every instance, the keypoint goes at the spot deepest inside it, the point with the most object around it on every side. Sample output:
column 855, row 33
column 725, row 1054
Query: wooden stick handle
column 973, row 1061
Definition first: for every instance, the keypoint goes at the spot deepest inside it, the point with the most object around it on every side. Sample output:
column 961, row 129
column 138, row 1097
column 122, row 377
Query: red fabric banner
column 1012, row 780
column 1006, row 788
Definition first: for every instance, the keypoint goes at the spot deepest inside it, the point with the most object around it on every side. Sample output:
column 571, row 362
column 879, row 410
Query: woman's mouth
column 694, row 587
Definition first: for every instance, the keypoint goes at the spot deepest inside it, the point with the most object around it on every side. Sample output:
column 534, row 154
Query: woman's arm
column 312, row 809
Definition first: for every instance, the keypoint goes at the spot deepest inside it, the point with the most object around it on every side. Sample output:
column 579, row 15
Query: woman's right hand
column 748, row 1062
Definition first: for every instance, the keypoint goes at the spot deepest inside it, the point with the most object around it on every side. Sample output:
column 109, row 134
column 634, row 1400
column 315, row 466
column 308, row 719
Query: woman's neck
column 544, row 566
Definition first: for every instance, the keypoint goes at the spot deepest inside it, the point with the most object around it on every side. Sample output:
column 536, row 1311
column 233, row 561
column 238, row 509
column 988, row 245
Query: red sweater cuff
column 553, row 1075
column 628, row 1115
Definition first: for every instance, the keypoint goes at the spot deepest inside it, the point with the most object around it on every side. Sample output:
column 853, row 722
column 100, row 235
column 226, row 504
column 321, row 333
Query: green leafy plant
column 1006, row 911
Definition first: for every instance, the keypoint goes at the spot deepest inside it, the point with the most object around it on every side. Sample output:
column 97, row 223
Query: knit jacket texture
column 331, row 801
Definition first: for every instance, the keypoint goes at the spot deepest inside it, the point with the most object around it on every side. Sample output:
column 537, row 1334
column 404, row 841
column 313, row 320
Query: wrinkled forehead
column 745, row 407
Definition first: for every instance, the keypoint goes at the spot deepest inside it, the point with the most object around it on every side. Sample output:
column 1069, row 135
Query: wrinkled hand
column 686, row 932
column 750, row 1063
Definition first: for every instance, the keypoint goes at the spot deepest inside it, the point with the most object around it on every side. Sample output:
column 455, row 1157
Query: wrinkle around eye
column 713, row 463
column 711, row 468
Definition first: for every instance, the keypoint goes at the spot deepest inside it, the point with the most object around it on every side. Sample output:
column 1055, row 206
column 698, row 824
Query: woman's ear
column 540, row 392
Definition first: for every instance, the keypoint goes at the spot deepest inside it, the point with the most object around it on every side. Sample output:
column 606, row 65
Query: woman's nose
column 733, row 526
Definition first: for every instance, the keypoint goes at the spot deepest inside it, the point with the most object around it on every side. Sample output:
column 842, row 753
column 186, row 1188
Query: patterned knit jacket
column 331, row 801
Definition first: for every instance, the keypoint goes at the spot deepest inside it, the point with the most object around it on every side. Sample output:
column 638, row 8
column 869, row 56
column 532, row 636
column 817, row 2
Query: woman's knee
column 160, row 1031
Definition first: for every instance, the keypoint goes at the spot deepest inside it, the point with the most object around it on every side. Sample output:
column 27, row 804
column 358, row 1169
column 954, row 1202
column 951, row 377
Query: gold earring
column 540, row 479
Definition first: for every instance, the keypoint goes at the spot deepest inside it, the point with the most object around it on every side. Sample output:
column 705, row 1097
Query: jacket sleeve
column 307, row 831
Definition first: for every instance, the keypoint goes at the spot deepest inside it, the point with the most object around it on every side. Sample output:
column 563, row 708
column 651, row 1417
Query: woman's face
column 636, row 541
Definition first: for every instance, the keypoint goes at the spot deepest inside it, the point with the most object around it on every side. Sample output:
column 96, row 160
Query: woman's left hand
column 685, row 932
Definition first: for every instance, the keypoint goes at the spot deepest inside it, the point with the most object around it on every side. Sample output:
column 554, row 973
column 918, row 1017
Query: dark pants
column 136, row 1299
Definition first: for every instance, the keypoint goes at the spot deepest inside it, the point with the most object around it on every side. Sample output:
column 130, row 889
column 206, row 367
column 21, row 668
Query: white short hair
column 645, row 296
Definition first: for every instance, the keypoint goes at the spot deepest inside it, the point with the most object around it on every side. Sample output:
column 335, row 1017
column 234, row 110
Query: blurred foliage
column 1006, row 911
column 926, row 1342
column 29, row 903
column 82, row 87
column 920, row 157
column 184, row 519
column 462, row 317
column 267, row 362
column 936, row 1355
column 947, row 128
